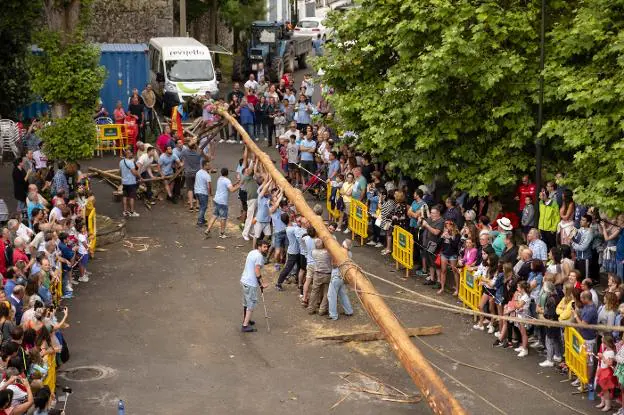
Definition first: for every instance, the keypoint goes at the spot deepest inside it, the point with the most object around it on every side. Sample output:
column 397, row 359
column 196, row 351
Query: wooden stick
column 104, row 173
column 368, row 336
column 414, row 362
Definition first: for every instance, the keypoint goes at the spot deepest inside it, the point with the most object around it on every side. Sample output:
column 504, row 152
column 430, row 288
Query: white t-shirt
column 56, row 214
column 251, row 84
column 145, row 161
column 83, row 242
column 41, row 160
column 202, row 178
column 24, row 232
column 249, row 277
column 524, row 311
column 222, row 194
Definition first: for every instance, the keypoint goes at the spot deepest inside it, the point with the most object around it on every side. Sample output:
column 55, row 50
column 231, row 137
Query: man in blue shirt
column 247, row 118
column 307, row 147
column 359, row 185
column 292, row 251
column 129, row 174
column 166, row 162
column 334, row 166
column 263, row 214
column 587, row 314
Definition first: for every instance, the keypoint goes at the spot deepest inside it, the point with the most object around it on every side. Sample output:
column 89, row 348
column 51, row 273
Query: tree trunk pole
column 429, row 383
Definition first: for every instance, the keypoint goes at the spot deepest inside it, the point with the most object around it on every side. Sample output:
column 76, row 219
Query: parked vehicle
column 273, row 45
column 312, row 27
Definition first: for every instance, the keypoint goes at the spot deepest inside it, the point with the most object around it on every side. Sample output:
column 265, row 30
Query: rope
column 441, row 305
column 459, row 362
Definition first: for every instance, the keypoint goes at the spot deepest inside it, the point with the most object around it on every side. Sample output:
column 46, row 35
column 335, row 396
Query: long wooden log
column 369, row 336
column 105, row 174
column 423, row 375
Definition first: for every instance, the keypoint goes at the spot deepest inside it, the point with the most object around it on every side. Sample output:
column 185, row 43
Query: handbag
column 438, row 261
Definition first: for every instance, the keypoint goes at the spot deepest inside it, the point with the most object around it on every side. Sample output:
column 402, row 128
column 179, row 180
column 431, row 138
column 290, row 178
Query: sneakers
column 223, row 236
column 557, row 359
column 126, row 213
column 371, row 243
column 346, row 231
column 490, row 329
column 222, row 141
column 518, row 349
column 69, row 288
column 523, row 352
column 279, row 287
column 478, row 327
column 547, row 363
column 497, row 334
column 84, row 278
column 74, row 282
column 576, row 383
column 378, row 245
column 498, row 343
column 385, row 252
column 133, row 214
column 230, row 141
column 248, row 329
column 68, row 296
column 245, row 237
column 536, row 345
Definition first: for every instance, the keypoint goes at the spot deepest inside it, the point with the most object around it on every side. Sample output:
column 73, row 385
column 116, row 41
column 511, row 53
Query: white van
column 181, row 65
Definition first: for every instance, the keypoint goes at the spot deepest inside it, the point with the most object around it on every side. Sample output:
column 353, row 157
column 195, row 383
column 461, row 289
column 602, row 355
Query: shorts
column 260, row 227
column 130, row 190
column 220, row 211
column 279, row 240
column 250, row 296
column 190, row 182
column 449, row 258
column 292, row 167
column 303, row 262
column 84, row 260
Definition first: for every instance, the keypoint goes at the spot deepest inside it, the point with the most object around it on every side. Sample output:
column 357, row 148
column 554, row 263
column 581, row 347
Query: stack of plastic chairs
column 9, row 138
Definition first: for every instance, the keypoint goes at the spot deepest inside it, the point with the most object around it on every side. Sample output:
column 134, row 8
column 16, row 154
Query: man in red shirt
column 525, row 189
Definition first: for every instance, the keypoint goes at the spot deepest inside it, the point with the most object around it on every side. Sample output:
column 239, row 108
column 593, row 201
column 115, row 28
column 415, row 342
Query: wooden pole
column 106, row 174
column 368, row 336
column 423, row 375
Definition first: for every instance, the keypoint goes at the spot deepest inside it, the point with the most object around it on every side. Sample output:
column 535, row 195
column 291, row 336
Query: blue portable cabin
column 126, row 68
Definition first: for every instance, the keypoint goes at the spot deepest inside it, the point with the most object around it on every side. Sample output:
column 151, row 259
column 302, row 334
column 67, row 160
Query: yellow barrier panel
column 92, row 229
column 576, row 355
column 469, row 289
column 358, row 220
column 111, row 137
column 332, row 212
column 403, row 249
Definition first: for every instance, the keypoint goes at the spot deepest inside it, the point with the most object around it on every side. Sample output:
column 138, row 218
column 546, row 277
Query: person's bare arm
column 24, row 407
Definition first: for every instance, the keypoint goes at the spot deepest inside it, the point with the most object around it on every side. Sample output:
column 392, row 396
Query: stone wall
column 131, row 21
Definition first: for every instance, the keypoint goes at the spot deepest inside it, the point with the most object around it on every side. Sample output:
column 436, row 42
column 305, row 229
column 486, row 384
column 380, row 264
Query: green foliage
column 70, row 74
column 239, row 14
column 71, row 138
column 15, row 37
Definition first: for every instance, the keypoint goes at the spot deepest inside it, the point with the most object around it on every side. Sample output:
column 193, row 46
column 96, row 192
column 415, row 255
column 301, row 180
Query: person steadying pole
column 251, row 280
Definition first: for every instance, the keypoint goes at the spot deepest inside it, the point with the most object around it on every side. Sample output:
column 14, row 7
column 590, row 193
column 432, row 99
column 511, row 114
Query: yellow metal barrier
column 111, row 137
column 576, row 355
column 358, row 220
column 469, row 289
column 92, row 229
column 333, row 212
column 403, row 249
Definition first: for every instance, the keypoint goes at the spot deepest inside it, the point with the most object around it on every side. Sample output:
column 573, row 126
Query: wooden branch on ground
column 104, row 173
column 378, row 335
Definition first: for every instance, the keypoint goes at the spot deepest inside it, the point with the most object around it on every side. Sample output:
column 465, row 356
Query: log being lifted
column 423, row 375
column 369, row 336
column 106, row 174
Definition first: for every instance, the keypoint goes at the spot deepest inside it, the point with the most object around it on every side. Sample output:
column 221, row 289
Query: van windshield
column 189, row 70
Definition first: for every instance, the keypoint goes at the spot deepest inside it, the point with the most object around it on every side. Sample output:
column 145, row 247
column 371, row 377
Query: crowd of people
column 44, row 254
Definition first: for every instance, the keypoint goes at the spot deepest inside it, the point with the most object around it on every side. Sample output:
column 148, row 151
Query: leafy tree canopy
column 449, row 89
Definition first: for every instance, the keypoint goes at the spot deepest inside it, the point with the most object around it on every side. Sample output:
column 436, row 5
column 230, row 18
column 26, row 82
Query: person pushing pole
column 251, row 280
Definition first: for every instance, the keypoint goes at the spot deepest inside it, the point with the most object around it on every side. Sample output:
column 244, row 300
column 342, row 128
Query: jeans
column 338, row 290
column 553, row 343
column 270, row 133
column 203, row 206
column 251, row 212
column 249, row 129
column 291, row 261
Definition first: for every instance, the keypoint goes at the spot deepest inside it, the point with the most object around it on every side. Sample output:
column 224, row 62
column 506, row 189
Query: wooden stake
column 377, row 335
column 416, row 365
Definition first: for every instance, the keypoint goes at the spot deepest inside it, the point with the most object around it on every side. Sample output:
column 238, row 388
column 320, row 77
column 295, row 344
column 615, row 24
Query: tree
column 67, row 75
column 587, row 65
column 16, row 38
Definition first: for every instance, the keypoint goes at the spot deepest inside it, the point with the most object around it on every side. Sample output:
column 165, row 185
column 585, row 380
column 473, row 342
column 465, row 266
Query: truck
column 271, row 44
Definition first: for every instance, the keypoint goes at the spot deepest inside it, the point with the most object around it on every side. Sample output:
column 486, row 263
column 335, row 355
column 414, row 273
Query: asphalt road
column 163, row 328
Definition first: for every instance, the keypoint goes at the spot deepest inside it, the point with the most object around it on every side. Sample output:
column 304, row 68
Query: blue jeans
column 65, row 281
column 337, row 290
column 249, row 128
column 203, row 206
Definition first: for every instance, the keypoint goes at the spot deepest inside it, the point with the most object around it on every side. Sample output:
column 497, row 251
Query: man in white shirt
column 251, row 83
column 251, row 280
column 144, row 167
column 284, row 139
column 222, row 194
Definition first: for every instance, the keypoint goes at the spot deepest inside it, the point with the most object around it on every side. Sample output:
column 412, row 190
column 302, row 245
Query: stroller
column 317, row 184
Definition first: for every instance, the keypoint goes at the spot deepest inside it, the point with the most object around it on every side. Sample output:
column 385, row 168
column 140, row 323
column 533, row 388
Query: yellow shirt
column 564, row 309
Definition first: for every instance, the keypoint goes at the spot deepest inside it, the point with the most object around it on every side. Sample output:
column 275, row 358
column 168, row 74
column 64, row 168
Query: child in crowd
column 522, row 307
column 280, row 124
column 604, row 376
column 83, row 251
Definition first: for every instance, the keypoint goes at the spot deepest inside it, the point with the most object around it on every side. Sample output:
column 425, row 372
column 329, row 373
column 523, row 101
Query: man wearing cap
column 504, row 225
column 251, row 280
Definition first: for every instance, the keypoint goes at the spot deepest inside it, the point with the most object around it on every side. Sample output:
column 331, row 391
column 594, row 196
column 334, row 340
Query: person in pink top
column 119, row 113
column 470, row 254
column 164, row 139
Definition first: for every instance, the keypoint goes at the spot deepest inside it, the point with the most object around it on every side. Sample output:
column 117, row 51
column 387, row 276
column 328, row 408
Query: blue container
column 126, row 68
